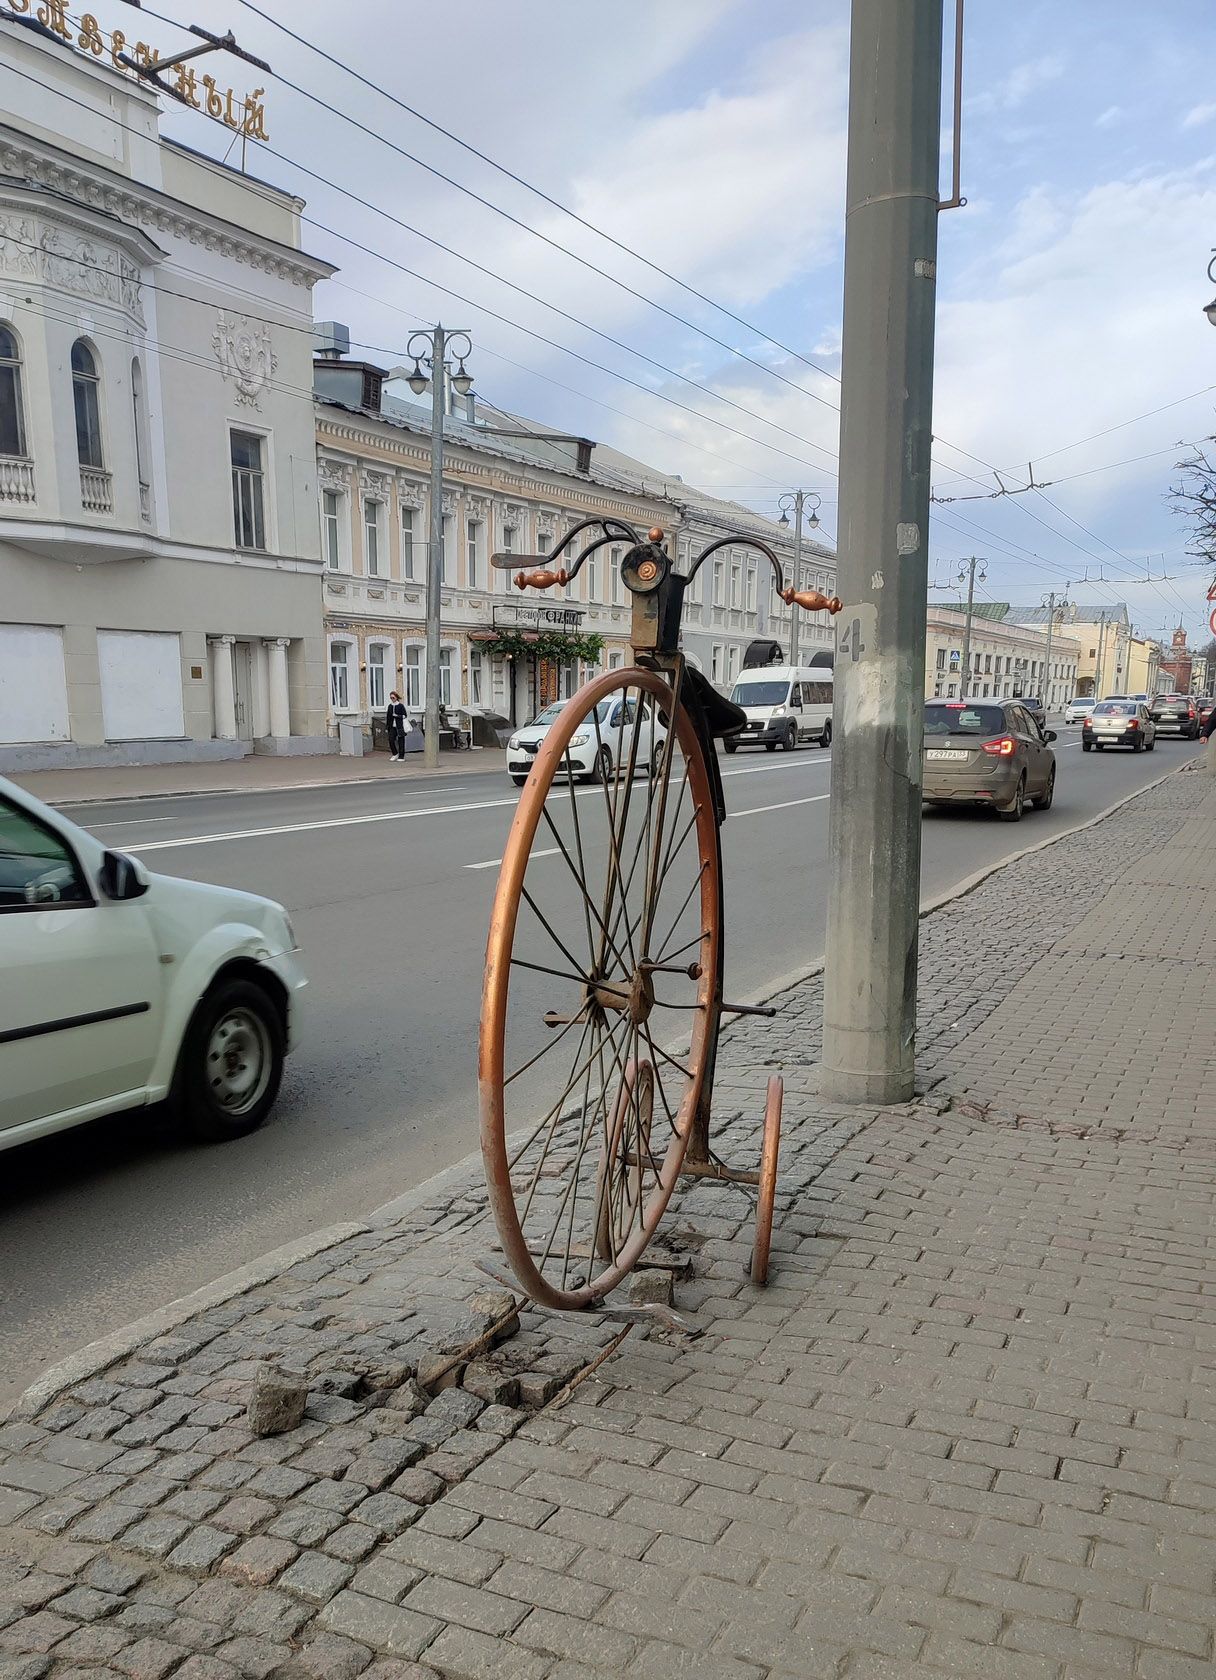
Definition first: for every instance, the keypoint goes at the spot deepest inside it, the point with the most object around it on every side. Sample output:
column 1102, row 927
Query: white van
column 785, row 704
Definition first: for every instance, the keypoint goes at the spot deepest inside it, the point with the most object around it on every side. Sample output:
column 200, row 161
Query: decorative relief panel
column 333, row 475
column 245, row 354
column 32, row 249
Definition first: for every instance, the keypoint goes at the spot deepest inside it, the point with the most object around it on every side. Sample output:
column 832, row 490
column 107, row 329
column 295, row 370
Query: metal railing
column 16, row 480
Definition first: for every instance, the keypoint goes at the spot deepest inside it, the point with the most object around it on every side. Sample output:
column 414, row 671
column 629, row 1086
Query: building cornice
column 148, row 208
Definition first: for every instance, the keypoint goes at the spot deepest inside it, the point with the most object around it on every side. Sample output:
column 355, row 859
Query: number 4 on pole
column 851, row 642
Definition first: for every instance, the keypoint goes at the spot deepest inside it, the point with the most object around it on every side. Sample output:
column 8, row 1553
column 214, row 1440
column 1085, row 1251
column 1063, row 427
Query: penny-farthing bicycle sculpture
column 602, row 1000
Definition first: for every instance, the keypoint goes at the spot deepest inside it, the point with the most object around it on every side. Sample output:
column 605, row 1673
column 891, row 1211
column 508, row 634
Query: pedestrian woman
column 397, row 725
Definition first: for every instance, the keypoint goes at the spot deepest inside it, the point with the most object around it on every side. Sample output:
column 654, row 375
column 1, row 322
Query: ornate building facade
column 159, row 549
column 520, row 494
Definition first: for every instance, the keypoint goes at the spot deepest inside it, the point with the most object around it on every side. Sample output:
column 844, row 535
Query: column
column 280, row 713
column 223, row 692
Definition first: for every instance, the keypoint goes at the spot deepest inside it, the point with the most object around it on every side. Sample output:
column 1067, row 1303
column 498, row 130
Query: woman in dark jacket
column 397, row 725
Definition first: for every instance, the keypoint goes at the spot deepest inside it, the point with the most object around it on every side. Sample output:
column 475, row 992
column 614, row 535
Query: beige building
column 159, row 549
column 1007, row 659
column 1104, row 636
column 507, row 653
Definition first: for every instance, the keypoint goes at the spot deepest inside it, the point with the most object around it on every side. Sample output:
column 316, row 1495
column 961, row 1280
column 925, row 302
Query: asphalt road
column 389, row 887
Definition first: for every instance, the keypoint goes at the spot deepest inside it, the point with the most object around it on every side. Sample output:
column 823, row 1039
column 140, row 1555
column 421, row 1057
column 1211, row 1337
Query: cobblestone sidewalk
column 966, row 1431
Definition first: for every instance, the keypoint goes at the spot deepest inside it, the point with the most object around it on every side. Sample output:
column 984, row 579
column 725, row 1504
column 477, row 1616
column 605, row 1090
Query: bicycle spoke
column 589, row 908
column 541, row 918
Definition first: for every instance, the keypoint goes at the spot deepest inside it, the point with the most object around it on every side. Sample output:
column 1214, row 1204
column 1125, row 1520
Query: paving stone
column 35, row 1635
column 201, row 1550
column 315, row 1577
column 87, row 1604
column 387, row 1513
column 277, row 1402
column 352, row 1542
column 148, row 1659
column 385, row 1627
column 259, row 1560
column 329, row 1656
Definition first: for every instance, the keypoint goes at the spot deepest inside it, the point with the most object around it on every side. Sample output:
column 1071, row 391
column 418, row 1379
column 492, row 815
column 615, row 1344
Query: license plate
column 939, row 753
column 1108, row 737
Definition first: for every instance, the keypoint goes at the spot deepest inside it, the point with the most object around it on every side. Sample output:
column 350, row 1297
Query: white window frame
column 750, row 595
column 614, row 566
column 732, row 663
column 715, row 663
column 413, row 703
column 373, row 537
column 449, row 667
column 351, row 667
column 270, row 530
column 719, row 581
column 15, row 364
column 591, row 573
column 736, row 592
column 472, row 531
column 407, row 514
column 478, row 674
column 386, row 667
column 331, row 525
column 447, row 555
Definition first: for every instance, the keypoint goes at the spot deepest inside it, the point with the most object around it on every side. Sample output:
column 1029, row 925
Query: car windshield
column 1115, row 708
column 1088, row 704
column 964, row 720
column 760, row 693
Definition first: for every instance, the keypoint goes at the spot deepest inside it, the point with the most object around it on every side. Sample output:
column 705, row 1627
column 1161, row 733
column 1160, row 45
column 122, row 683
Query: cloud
column 1198, row 115
column 1020, row 84
column 1109, row 117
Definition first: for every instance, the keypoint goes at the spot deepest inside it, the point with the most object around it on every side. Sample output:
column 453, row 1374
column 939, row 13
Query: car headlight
column 778, row 711
column 579, row 740
column 513, row 743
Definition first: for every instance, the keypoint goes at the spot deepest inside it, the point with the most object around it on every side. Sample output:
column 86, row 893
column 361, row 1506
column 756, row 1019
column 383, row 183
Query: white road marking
column 493, row 863
column 397, row 816
column 755, row 810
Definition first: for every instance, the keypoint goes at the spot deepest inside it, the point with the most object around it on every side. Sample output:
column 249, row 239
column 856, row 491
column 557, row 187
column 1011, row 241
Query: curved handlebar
column 811, row 600
column 615, row 530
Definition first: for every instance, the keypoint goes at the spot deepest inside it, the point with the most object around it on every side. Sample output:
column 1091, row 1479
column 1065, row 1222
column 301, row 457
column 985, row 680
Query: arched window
column 88, row 406
column 12, row 419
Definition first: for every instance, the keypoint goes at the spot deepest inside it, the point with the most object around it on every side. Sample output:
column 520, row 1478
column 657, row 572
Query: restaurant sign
column 513, row 616
column 247, row 114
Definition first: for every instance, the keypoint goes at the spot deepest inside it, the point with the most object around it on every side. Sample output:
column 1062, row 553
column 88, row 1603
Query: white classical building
column 520, row 493
column 159, row 543
column 1007, row 659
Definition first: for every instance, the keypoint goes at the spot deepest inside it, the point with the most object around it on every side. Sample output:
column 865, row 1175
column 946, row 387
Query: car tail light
column 1004, row 748
column 1087, row 724
column 1133, row 723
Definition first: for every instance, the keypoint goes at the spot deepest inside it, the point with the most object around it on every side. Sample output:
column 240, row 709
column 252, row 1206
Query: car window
column 961, row 719
column 1114, row 708
column 796, row 695
column 818, row 693
column 37, row 867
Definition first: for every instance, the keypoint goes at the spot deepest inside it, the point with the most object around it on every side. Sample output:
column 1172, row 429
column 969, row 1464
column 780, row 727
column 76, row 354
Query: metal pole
column 1051, row 617
column 883, row 567
column 1101, row 657
column 966, row 683
column 797, row 575
column 434, row 558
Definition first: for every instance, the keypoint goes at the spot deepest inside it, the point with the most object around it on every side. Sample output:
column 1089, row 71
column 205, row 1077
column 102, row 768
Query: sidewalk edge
column 95, row 1356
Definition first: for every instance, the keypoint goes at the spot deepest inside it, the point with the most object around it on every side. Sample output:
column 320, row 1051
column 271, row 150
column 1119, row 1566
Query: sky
column 707, row 138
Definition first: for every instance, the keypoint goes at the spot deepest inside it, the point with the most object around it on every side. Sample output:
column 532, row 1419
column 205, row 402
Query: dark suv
column 1175, row 714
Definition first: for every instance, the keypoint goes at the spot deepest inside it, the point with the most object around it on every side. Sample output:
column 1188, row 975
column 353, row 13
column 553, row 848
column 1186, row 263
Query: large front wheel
column 599, row 1008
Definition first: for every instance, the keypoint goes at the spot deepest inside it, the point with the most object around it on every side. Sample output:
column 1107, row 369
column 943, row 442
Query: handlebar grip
column 811, row 600
column 540, row 580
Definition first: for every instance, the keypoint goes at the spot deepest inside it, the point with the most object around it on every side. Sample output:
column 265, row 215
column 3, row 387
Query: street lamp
column 799, row 500
column 1209, row 309
column 432, row 368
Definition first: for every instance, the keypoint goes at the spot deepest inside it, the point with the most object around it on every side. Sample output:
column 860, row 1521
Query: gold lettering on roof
column 247, row 114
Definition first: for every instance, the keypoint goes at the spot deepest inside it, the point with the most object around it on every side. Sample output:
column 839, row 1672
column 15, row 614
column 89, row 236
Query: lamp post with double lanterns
column 432, row 367
column 1209, row 309
column 798, row 500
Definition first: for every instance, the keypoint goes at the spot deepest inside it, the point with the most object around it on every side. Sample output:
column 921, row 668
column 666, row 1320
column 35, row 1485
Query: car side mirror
column 1050, row 735
column 122, row 877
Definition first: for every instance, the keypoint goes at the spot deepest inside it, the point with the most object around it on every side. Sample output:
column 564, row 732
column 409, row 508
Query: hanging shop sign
column 245, row 114
column 540, row 618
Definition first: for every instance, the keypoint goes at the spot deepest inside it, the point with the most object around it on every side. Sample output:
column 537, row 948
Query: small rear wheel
column 768, row 1181
column 231, row 1062
column 790, row 739
column 825, row 740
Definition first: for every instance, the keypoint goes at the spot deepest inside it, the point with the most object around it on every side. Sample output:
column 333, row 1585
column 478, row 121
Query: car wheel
column 1150, row 744
column 1087, row 746
column 825, row 740
column 1047, row 798
column 519, row 780
column 730, row 746
column 1014, row 813
column 231, row 1062
column 770, row 746
column 790, row 739
column 1137, row 745
column 1098, row 747
column 603, row 766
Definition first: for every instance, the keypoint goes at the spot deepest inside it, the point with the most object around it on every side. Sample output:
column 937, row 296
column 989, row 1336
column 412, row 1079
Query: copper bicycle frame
column 658, row 605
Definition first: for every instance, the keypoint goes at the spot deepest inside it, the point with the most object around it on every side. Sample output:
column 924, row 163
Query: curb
column 95, row 1356
column 265, row 787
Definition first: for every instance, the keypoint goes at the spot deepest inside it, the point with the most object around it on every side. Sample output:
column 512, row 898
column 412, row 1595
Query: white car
column 119, row 988
column 598, row 747
column 1078, row 709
